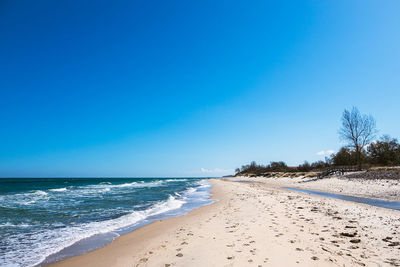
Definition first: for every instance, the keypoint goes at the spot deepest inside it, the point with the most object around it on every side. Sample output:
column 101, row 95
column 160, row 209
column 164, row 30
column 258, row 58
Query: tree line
column 358, row 131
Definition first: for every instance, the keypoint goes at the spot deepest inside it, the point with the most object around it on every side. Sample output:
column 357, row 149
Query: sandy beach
column 385, row 189
column 260, row 224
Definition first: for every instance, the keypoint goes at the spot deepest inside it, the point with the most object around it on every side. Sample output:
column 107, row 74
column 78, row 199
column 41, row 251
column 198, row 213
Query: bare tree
column 357, row 130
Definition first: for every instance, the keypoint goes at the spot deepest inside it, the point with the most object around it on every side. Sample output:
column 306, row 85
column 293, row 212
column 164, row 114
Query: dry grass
column 285, row 174
column 391, row 168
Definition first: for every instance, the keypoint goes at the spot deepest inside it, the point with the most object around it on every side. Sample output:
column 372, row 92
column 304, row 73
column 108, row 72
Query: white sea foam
column 8, row 224
column 48, row 242
column 104, row 190
column 28, row 198
column 149, row 184
column 58, row 189
column 102, row 186
column 54, row 240
column 40, row 193
column 190, row 190
column 203, row 184
column 176, row 180
column 133, row 184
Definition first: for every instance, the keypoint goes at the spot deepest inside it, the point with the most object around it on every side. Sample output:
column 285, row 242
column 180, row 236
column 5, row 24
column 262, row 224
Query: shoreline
column 197, row 195
column 149, row 231
column 258, row 224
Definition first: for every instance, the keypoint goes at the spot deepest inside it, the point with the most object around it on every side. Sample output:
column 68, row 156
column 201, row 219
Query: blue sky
column 188, row 88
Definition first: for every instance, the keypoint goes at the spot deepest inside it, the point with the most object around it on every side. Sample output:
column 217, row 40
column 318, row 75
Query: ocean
column 43, row 220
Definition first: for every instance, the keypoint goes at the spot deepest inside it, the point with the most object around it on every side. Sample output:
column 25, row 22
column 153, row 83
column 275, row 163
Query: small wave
column 200, row 192
column 27, row 202
column 39, row 192
column 53, row 241
column 171, row 204
column 29, row 198
column 133, row 184
column 176, row 180
column 7, row 224
column 11, row 225
column 190, row 190
column 203, row 184
column 58, row 189
column 103, row 190
column 137, row 184
column 148, row 184
column 124, row 185
column 106, row 187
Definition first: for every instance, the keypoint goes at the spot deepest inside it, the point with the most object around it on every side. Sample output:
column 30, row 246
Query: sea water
column 47, row 219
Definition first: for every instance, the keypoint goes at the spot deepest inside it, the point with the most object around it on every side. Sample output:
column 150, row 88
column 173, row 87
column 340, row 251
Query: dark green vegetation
column 358, row 131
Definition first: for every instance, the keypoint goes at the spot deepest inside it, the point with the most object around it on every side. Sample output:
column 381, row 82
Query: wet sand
column 260, row 224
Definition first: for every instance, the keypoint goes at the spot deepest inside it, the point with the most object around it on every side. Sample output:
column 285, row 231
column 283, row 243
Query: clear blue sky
column 188, row 88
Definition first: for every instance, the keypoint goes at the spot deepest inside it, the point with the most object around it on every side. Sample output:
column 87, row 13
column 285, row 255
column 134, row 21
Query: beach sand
column 385, row 189
column 259, row 224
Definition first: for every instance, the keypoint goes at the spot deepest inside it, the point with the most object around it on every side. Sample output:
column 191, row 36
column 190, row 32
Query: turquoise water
column 47, row 219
